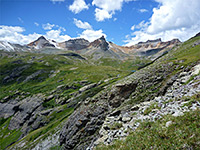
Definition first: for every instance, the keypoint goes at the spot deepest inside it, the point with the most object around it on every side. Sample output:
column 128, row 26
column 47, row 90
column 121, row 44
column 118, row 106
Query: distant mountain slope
column 42, row 42
column 95, row 50
column 153, row 48
column 7, row 46
column 74, row 44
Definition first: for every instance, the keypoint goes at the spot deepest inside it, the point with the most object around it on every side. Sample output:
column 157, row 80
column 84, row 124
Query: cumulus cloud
column 88, row 33
column 48, row 26
column 106, row 8
column 56, row 35
column 82, row 25
column 91, row 35
column 174, row 15
column 14, row 34
column 102, row 14
column 172, row 19
column 78, row 6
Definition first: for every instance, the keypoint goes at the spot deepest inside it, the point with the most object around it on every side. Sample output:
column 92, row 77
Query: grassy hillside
column 184, row 131
column 50, row 71
column 26, row 74
column 182, row 134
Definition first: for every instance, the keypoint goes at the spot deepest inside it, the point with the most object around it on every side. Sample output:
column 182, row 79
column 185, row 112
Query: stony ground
column 175, row 102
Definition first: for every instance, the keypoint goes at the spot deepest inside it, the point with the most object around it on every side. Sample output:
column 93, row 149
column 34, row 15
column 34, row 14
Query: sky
column 124, row 22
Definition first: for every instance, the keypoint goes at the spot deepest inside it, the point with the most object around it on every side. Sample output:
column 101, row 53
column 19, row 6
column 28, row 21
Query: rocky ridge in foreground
column 174, row 102
column 153, row 84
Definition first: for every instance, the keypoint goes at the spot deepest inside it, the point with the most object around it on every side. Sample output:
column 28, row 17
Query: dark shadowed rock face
column 23, row 111
column 73, row 55
column 81, row 127
column 14, row 73
column 101, row 42
column 75, row 44
column 151, row 41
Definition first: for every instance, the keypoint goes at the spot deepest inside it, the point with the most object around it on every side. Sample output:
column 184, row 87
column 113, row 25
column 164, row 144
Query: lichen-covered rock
column 24, row 110
column 81, row 127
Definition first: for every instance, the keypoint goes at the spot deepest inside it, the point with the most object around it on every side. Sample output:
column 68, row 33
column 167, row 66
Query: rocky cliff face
column 153, row 48
column 74, row 44
column 158, row 88
column 100, row 43
column 41, row 42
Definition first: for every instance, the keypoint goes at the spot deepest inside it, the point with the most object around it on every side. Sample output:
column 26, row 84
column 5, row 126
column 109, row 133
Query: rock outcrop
column 151, row 86
column 174, row 102
column 41, row 42
column 74, row 44
column 100, row 43
column 150, row 48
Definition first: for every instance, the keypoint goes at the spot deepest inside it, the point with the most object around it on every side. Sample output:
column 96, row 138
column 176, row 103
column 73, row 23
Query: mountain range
column 81, row 95
column 96, row 49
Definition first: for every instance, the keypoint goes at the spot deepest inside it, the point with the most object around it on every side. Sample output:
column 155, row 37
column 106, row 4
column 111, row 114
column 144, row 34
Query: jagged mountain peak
column 41, row 42
column 151, row 41
column 102, row 38
column 41, row 38
column 101, row 42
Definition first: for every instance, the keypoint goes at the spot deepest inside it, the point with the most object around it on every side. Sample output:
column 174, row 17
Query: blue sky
column 121, row 21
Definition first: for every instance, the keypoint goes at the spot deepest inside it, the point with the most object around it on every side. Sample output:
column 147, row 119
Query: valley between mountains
column 81, row 95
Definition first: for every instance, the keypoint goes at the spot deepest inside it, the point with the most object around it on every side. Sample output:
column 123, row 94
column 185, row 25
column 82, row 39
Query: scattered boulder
column 24, row 112
column 87, row 87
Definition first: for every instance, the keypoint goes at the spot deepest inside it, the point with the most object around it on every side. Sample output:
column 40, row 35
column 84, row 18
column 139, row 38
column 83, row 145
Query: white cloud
column 91, row 35
column 174, row 15
column 142, row 25
column 101, row 14
column 37, row 24
column 133, row 28
column 78, row 6
column 106, row 8
column 172, row 19
column 115, row 19
column 14, row 34
column 82, row 25
column 56, row 35
column 143, row 10
column 48, row 26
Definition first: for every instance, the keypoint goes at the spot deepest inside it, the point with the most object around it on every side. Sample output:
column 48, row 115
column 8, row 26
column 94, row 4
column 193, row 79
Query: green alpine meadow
column 100, row 75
